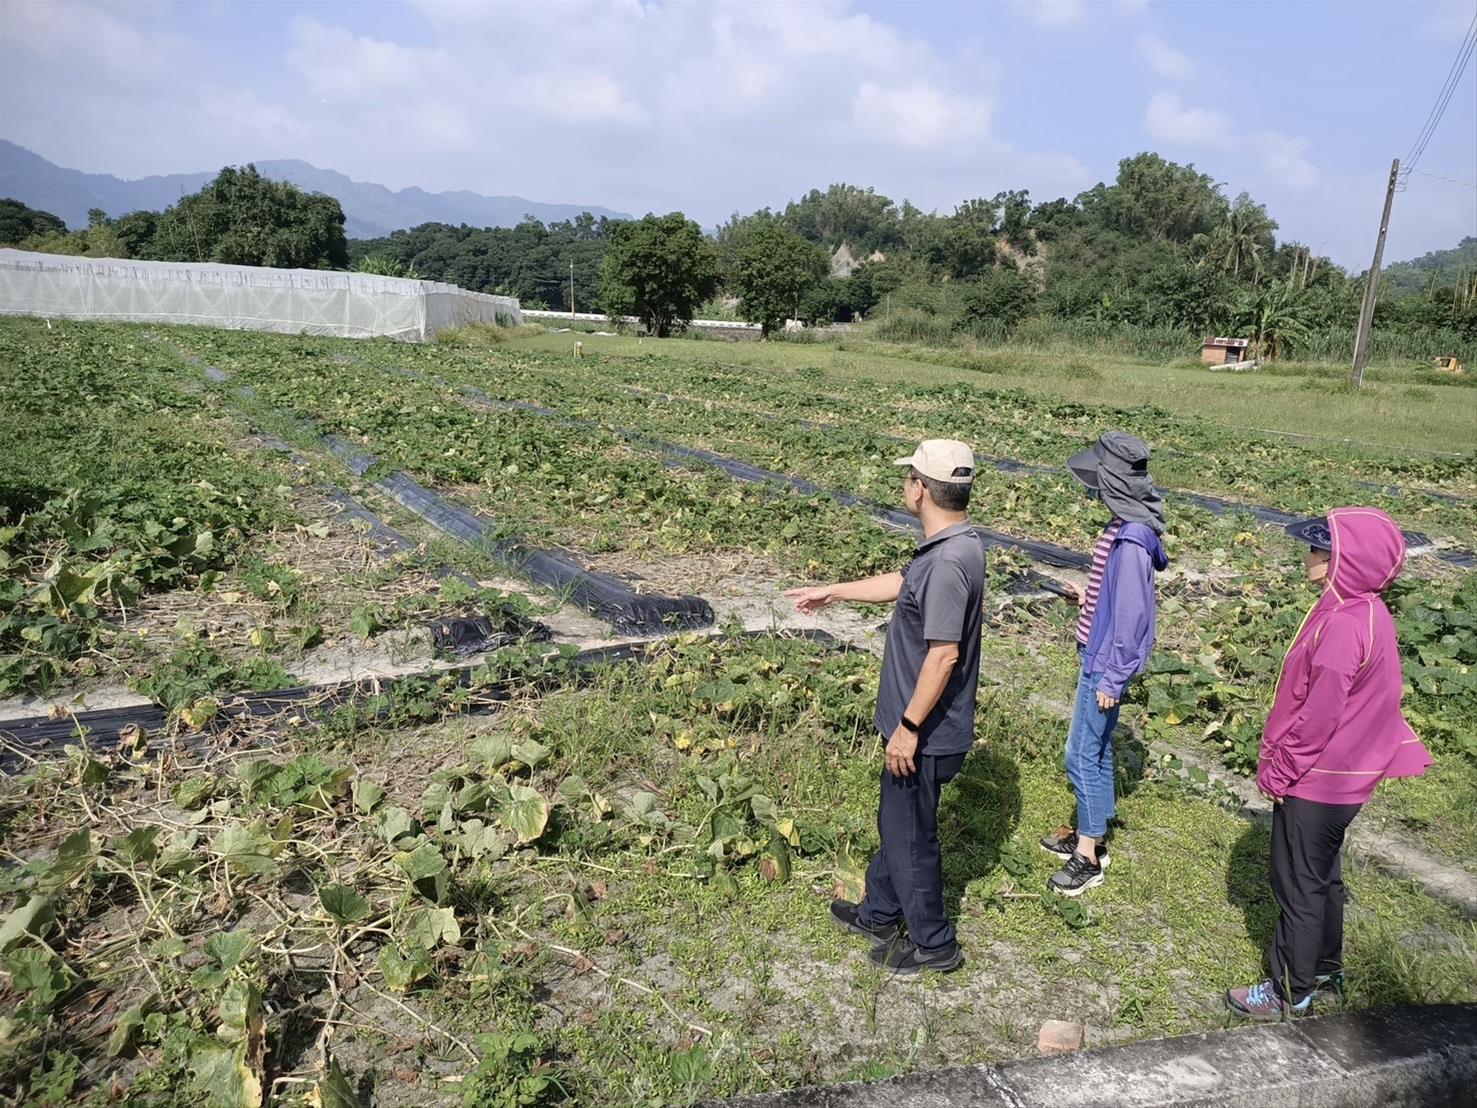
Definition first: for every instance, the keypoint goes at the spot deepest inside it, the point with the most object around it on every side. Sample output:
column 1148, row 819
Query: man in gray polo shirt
column 925, row 708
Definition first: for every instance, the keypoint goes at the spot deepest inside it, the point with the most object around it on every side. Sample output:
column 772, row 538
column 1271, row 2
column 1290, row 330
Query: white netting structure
column 294, row 301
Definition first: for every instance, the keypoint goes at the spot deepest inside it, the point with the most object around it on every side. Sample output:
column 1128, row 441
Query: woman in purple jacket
column 1115, row 632
column 1335, row 732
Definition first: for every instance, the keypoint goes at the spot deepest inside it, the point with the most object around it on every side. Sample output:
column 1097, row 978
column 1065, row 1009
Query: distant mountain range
column 369, row 210
column 1445, row 268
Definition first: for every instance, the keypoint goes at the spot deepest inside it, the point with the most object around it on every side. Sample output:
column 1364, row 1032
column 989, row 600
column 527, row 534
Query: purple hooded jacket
column 1123, row 624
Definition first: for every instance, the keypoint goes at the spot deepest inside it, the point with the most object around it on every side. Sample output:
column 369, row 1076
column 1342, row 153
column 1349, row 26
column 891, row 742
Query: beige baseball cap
column 943, row 460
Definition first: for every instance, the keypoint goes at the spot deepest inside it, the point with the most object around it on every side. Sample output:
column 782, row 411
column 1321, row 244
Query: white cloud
column 344, row 66
column 1280, row 157
column 1163, row 58
column 1167, row 119
column 919, row 115
column 573, row 97
column 702, row 107
column 1285, row 157
column 1053, row 13
column 65, row 30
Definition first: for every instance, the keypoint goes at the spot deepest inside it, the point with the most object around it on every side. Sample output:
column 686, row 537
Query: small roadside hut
column 1221, row 351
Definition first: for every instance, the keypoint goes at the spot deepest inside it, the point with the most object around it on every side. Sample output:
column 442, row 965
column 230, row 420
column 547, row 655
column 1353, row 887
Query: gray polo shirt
column 942, row 600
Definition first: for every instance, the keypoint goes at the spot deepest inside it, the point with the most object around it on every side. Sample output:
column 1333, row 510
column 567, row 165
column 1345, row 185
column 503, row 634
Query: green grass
column 1307, row 400
column 625, row 978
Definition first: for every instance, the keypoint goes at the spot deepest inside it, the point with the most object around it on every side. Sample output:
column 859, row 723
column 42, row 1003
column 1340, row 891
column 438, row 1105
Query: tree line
column 1160, row 247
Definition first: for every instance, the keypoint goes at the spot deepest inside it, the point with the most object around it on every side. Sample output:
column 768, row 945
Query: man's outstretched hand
column 811, row 598
column 901, row 752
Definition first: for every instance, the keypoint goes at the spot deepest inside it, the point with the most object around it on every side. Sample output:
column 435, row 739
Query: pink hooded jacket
column 1335, row 730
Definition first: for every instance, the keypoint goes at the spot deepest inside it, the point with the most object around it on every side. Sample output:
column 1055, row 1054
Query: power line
column 1448, row 180
column 1443, row 98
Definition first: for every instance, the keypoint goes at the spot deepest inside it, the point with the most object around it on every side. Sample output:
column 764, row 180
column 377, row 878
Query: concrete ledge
column 1404, row 1056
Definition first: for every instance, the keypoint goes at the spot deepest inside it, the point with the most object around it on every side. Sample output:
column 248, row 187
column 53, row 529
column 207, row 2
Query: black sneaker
column 844, row 912
column 907, row 958
column 1063, row 843
column 1076, row 877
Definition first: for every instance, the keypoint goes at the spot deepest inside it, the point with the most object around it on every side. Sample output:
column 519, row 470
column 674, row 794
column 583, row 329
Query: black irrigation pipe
column 1216, row 505
column 461, row 636
column 39, row 736
column 1030, row 581
column 601, row 594
column 1010, row 465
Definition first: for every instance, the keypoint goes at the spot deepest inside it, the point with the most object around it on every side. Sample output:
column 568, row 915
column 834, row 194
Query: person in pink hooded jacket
column 1335, row 731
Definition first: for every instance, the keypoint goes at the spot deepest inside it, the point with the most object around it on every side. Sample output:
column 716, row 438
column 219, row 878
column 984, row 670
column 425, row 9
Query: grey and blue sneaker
column 1076, row 877
column 1261, row 1002
column 1063, row 843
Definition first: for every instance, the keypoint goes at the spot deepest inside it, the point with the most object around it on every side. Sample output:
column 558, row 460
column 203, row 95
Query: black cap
column 1312, row 532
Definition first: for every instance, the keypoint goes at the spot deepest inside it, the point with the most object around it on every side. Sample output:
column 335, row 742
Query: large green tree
column 19, row 222
column 243, row 218
column 774, row 271
column 1157, row 199
column 658, row 269
column 860, row 217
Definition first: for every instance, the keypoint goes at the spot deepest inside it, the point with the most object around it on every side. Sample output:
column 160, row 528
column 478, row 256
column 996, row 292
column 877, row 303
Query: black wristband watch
column 909, row 724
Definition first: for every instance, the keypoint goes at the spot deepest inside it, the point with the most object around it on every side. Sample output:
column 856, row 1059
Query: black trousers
column 906, row 877
column 1308, row 882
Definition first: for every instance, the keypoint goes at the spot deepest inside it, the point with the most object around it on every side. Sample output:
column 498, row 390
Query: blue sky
column 712, row 108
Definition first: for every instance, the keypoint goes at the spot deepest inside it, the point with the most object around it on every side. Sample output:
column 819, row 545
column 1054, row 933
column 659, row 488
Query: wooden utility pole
column 571, row 290
column 1371, row 288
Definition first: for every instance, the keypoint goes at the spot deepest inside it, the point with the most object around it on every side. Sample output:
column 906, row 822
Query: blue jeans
column 1090, row 758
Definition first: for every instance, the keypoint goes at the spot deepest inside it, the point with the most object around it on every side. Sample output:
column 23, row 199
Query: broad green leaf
column 492, row 751
column 35, row 972
column 248, row 847
column 239, row 1009
column 196, row 790
column 365, row 622
column 436, row 797
column 220, row 1073
column 476, row 839
column 343, row 903
column 33, row 920
column 531, row 753
column 422, row 862
column 401, row 973
column 333, row 1090
column 128, row 1025
column 179, row 855
column 526, row 813
column 428, row 927
column 73, row 858
column 774, row 860
column 229, row 948
column 394, row 824
column 476, row 796
column 366, row 795
column 139, row 845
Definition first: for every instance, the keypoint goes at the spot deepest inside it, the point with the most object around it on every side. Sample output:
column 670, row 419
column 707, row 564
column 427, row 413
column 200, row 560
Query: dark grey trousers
column 1308, row 882
column 906, row 877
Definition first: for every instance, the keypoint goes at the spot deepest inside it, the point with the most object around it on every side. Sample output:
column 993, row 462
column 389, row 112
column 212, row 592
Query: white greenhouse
column 294, row 301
